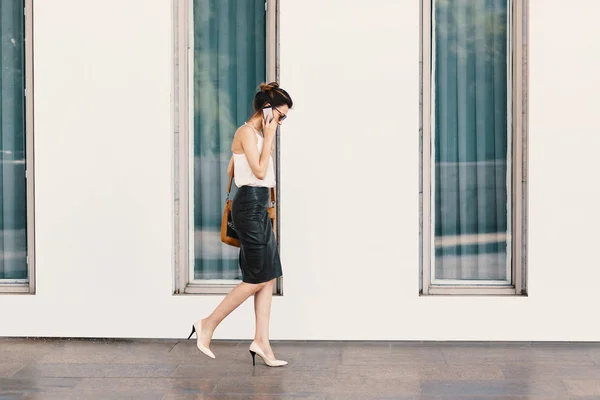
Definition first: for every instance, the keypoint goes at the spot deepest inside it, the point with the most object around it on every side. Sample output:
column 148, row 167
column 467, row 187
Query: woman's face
column 280, row 113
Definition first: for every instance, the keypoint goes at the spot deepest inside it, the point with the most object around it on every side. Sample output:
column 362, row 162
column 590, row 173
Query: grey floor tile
column 11, row 356
column 566, row 345
column 404, row 373
column 201, row 371
column 563, row 358
column 270, row 385
column 485, row 397
column 317, row 386
column 416, row 355
column 182, row 396
column 308, row 349
column 75, row 358
column 36, row 385
column 38, row 345
column 583, row 387
column 564, row 352
column 595, row 356
column 8, row 370
column 494, row 388
column 378, row 387
column 68, row 351
column 145, row 387
column 305, row 361
column 144, row 352
column 434, row 371
column 381, row 348
column 489, row 355
column 97, row 370
column 186, row 352
column 13, row 396
column 550, row 372
column 344, row 397
column 291, row 371
column 233, row 396
column 100, row 395
column 357, row 353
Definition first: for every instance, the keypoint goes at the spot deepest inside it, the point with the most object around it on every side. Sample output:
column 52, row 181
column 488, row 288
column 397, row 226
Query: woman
column 252, row 164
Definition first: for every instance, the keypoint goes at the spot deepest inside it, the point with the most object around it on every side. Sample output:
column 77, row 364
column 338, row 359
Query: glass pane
column 229, row 62
column 471, row 141
column 13, row 202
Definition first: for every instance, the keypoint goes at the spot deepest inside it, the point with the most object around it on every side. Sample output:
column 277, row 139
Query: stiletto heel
column 201, row 347
column 254, row 349
column 193, row 331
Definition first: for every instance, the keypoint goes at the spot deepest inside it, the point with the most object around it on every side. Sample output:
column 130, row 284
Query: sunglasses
column 282, row 116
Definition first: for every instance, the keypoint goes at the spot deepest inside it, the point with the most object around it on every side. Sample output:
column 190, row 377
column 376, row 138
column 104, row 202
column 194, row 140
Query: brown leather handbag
column 228, row 233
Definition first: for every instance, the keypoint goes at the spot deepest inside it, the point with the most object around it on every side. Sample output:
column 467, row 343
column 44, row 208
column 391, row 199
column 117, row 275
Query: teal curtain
column 229, row 52
column 471, row 122
column 13, row 202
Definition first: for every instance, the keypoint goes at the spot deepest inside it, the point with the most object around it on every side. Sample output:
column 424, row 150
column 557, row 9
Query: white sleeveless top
column 243, row 174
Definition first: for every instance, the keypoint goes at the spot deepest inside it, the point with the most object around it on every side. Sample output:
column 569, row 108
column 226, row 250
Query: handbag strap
column 229, row 185
column 230, row 182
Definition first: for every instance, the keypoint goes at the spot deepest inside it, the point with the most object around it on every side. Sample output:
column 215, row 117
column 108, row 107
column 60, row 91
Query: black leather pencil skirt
column 259, row 256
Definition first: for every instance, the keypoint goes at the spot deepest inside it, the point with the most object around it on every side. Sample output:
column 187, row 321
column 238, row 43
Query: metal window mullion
column 426, row 45
column 524, row 12
column 29, row 145
column 188, row 138
column 181, row 146
column 510, row 140
column 517, row 88
column 271, row 38
column 272, row 74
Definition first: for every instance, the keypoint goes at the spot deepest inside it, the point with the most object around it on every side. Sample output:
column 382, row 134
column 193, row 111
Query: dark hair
column 274, row 95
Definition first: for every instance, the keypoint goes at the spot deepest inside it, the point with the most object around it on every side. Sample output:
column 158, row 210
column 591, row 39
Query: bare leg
column 262, row 309
column 237, row 296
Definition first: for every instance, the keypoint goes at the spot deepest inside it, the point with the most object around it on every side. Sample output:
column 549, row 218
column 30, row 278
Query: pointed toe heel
column 254, row 350
column 197, row 331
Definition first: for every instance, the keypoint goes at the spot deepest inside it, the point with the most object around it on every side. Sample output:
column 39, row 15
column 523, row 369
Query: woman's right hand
column 270, row 129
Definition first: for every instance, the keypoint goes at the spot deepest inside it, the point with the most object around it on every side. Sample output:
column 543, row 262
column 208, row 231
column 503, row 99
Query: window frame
column 518, row 205
column 182, row 187
column 17, row 286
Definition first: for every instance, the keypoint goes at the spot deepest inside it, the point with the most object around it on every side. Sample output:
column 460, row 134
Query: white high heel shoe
column 254, row 350
column 197, row 328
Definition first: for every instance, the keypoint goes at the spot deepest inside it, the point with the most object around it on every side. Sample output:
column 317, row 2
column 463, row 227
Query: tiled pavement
column 170, row 369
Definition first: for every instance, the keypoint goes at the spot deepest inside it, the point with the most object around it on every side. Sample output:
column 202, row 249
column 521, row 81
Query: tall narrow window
column 15, row 144
column 226, row 57
column 472, row 147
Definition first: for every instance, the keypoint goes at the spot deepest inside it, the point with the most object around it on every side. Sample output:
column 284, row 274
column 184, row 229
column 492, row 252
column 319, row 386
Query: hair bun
column 266, row 87
column 270, row 93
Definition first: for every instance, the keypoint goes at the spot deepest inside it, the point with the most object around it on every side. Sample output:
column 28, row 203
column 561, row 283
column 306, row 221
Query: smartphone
column 268, row 113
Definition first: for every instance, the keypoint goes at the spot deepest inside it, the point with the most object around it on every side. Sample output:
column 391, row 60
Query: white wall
column 103, row 152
